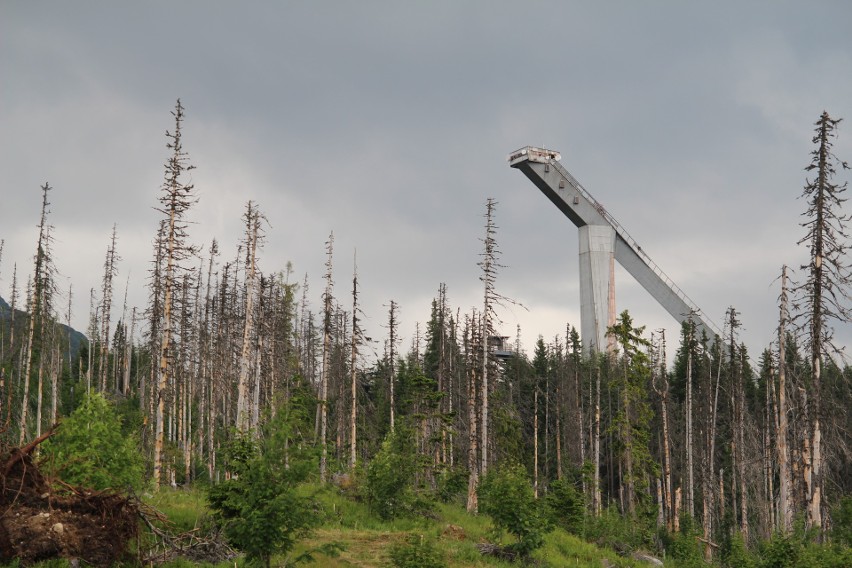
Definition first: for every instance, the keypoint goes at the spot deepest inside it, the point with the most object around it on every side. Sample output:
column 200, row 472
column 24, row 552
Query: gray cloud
column 389, row 124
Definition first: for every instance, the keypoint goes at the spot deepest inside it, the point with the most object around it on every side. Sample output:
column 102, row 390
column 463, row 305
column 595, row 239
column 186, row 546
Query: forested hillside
column 230, row 378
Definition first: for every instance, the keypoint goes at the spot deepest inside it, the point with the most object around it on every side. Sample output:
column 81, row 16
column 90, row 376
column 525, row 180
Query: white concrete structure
column 603, row 241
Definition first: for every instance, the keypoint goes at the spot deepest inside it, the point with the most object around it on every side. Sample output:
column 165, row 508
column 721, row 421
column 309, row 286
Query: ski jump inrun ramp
column 603, row 241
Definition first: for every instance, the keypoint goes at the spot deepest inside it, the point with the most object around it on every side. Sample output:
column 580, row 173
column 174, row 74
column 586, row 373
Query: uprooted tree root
column 38, row 523
column 42, row 519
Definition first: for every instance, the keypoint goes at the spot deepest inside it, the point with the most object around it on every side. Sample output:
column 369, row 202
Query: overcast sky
column 389, row 123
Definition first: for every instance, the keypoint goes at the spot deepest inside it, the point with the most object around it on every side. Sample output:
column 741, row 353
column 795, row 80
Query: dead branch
column 19, row 453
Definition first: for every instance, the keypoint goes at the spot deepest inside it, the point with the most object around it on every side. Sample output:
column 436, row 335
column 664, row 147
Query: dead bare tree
column 472, row 341
column 254, row 237
column 175, row 199
column 824, row 294
column 328, row 315
column 393, row 324
column 356, row 339
column 783, row 452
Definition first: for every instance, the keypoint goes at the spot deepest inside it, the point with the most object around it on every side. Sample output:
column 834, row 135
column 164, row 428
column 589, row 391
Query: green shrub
column 260, row 508
column 452, row 482
column 816, row 556
column 780, row 551
column 736, row 555
column 795, row 550
column 507, row 497
column 620, row 532
column 566, row 506
column 91, row 451
column 684, row 545
column 417, row 552
column 390, row 475
column 842, row 520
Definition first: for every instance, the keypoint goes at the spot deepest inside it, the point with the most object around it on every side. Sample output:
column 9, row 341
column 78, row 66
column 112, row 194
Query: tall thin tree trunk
column 559, row 435
column 353, row 372
column 106, row 305
column 535, row 442
column 667, row 458
column 596, row 444
column 784, row 507
column 39, row 293
column 472, row 348
column 40, row 390
column 392, row 339
column 128, row 357
column 164, row 375
column 326, row 360
column 744, row 521
column 243, row 411
column 690, row 469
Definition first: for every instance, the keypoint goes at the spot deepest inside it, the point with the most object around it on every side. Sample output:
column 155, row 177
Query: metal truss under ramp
column 602, row 242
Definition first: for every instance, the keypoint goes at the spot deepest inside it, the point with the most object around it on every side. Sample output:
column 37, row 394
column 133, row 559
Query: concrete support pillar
column 597, row 285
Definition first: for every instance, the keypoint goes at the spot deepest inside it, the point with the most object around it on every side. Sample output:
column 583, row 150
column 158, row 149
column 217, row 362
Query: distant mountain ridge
column 77, row 338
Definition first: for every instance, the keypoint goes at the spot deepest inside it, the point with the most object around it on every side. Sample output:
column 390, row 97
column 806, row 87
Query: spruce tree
column 632, row 419
column 40, row 308
column 110, row 271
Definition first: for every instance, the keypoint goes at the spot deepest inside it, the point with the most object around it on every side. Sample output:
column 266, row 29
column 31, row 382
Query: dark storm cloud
column 389, row 124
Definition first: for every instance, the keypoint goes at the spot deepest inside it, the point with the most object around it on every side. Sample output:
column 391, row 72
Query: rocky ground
column 40, row 521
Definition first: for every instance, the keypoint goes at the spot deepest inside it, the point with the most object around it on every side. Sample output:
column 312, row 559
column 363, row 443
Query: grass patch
column 185, row 508
column 564, row 549
column 367, row 540
column 342, row 511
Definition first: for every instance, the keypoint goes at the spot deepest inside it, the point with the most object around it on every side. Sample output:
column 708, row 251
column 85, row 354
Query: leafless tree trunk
column 824, row 295
column 784, row 508
column 328, row 300
column 659, row 370
column 489, row 267
column 244, row 414
column 596, row 445
column 690, row 469
column 128, row 356
column 392, row 340
column 176, row 199
column 353, row 370
column 535, row 441
column 472, row 341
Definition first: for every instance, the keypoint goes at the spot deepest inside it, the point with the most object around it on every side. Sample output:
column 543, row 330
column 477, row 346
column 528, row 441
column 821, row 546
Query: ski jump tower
column 603, row 241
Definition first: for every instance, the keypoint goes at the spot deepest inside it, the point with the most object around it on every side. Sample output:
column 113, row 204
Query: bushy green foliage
column 507, row 497
column 260, row 509
column 90, row 449
column 390, row 475
column 816, row 556
column 779, row 551
column 417, row 552
column 620, row 532
column 842, row 517
column 452, row 482
column 684, row 545
column 566, row 506
column 795, row 550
